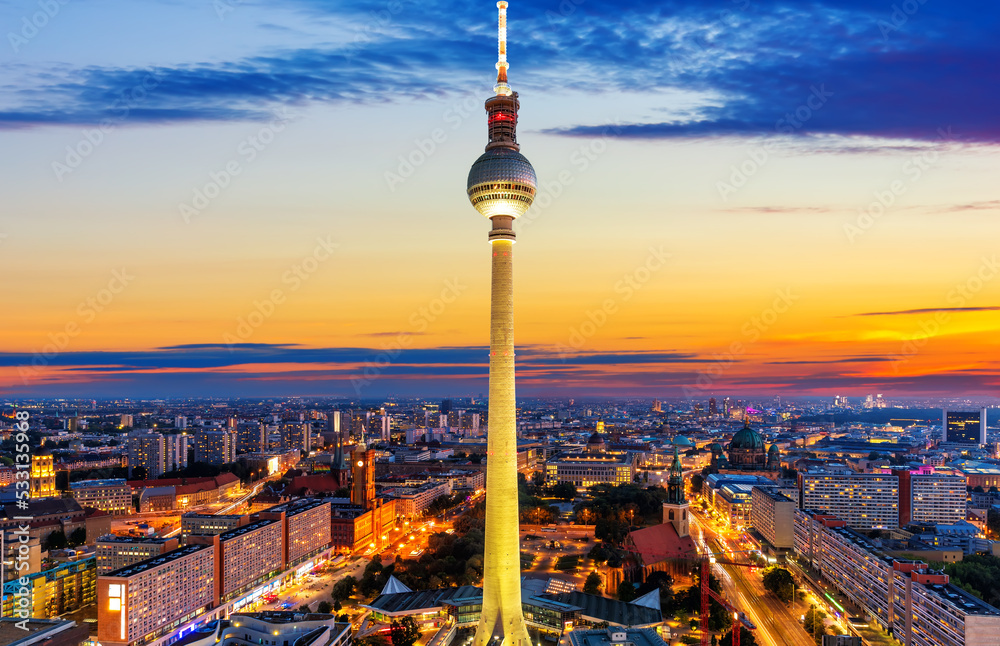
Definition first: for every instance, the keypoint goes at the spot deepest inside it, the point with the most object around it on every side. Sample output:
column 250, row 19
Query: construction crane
column 707, row 593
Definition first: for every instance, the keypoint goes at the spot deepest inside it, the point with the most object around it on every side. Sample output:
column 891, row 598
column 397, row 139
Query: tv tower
column 502, row 186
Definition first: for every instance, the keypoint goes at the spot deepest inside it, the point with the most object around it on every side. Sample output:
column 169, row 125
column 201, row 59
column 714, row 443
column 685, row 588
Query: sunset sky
column 233, row 197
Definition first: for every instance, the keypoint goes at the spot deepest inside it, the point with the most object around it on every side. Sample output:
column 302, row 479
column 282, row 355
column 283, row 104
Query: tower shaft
column 502, row 560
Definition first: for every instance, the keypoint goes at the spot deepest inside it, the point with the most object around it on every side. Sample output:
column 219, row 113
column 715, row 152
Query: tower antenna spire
column 501, row 88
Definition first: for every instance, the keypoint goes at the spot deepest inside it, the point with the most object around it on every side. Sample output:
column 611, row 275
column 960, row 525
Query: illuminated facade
column 915, row 604
column 864, row 500
column 113, row 495
column 501, row 186
column 140, row 603
column 117, row 552
column 43, row 477
column 587, row 469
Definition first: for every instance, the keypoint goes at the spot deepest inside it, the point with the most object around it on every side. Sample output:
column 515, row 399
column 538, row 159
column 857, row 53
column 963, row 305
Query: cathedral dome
column 747, row 439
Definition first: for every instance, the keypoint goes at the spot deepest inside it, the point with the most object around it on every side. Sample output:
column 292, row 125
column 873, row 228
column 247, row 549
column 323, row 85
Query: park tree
column 78, row 536
column 55, row 541
column 779, row 582
column 564, row 491
column 746, row 638
column 626, row 591
column 344, row 588
column 593, row 584
column 324, row 607
column 814, row 624
column 404, row 632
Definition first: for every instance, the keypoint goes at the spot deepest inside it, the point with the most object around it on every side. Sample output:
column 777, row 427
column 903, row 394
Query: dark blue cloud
column 891, row 74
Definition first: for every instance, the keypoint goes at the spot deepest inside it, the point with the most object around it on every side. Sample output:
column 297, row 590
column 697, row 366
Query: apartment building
column 863, row 500
column 117, row 552
column 144, row 601
column 772, row 514
column 916, row 605
column 113, row 496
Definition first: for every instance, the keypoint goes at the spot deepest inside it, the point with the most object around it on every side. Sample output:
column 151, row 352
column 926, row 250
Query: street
column 777, row 624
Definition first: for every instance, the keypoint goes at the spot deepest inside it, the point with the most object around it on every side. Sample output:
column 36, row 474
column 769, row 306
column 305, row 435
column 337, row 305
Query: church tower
column 675, row 509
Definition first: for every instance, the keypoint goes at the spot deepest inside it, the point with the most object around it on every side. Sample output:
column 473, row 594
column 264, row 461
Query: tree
column 404, row 632
column 814, row 623
column 626, row 591
column 779, row 582
column 593, row 584
column 55, row 541
column 564, row 491
column 324, row 607
column 746, row 638
column 343, row 588
column 78, row 536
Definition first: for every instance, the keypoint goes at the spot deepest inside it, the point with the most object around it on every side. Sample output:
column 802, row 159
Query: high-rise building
column 250, row 437
column 147, row 450
column 916, row 605
column 964, row 427
column 713, row 407
column 175, row 455
column 772, row 515
column 296, row 436
column 863, row 500
column 930, row 497
column 501, row 186
column 116, row 552
column 141, row 602
column 215, row 447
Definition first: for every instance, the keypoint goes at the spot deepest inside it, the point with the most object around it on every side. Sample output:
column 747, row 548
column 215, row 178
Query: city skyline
column 726, row 206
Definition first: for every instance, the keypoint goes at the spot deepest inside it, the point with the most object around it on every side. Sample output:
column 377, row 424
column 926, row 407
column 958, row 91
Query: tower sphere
column 502, row 182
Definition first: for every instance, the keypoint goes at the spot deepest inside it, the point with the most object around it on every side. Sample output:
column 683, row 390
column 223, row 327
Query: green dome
column 748, row 439
column 680, row 440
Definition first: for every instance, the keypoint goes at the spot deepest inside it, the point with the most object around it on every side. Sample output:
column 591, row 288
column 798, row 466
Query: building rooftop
column 156, row 561
column 115, row 538
column 87, row 484
column 21, row 632
column 239, row 531
column 601, row 637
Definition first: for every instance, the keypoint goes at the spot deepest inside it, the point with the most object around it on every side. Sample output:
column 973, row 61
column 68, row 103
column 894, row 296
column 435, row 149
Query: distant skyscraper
column 502, row 186
column 713, row 408
column 961, row 427
column 146, row 450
